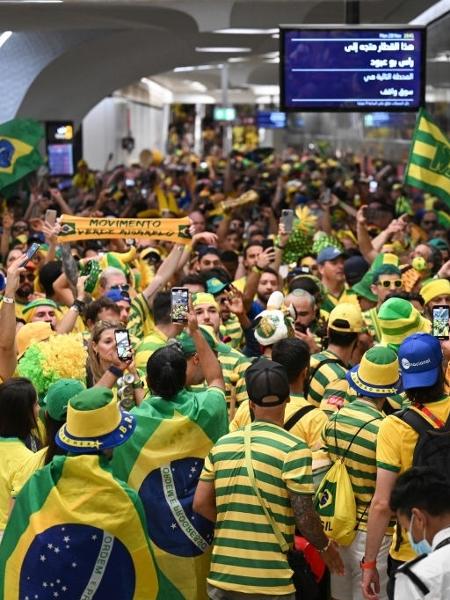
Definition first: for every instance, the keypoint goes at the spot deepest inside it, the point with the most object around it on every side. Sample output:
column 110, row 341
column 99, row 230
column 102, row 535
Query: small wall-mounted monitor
column 222, row 113
column 352, row 68
column 267, row 119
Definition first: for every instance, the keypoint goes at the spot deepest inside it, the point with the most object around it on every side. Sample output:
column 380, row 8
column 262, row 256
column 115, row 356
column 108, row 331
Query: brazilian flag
column 76, row 532
column 163, row 460
column 18, row 149
column 429, row 159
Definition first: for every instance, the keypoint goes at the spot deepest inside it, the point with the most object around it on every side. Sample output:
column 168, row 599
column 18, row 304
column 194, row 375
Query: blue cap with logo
column 118, row 296
column 330, row 253
column 420, row 357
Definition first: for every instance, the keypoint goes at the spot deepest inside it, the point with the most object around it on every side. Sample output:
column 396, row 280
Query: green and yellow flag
column 429, row 159
column 18, row 149
column 76, row 532
column 162, row 461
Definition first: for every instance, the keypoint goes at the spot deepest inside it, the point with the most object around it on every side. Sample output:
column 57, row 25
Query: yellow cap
column 435, row 288
column 351, row 317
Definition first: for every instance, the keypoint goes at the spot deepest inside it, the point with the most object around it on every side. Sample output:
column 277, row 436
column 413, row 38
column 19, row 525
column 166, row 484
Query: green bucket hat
column 398, row 319
column 377, row 375
column 439, row 244
column 58, row 396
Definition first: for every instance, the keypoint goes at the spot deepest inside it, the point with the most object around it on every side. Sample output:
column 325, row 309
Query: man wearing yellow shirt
column 331, row 268
column 421, row 364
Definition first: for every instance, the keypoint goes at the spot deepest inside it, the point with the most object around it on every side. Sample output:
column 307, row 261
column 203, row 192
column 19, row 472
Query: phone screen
column 287, row 219
column 123, row 344
column 441, row 327
column 180, row 305
column 50, row 216
column 31, row 252
column 267, row 244
column 373, row 186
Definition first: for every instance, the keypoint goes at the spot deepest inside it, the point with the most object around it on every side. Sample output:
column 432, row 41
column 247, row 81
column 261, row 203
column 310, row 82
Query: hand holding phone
column 179, row 305
column 123, row 343
column 287, row 219
column 30, row 253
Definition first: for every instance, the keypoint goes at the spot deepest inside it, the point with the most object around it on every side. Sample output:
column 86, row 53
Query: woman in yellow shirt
column 18, row 412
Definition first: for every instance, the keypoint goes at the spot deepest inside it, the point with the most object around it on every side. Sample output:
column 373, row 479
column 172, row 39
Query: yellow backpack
column 335, row 500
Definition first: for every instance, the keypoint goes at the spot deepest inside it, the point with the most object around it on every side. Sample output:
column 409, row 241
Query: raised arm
column 8, row 355
column 208, row 360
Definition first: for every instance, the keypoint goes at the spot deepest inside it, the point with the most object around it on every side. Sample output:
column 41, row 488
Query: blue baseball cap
column 118, row 296
column 329, row 253
column 420, row 357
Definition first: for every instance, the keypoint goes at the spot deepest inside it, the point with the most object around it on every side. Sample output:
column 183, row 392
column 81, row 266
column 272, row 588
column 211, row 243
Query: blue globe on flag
column 76, row 561
column 167, row 494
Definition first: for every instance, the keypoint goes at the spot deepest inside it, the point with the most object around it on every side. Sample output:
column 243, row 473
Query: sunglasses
column 123, row 288
column 432, row 222
column 27, row 277
column 394, row 284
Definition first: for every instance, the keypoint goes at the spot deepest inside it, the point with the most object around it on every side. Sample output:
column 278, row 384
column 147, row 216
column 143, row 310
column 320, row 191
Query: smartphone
column 441, row 326
column 50, row 216
column 373, row 186
column 130, row 182
column 287, row 219
column 30, row 253
column 123, row 343
column 325, row 199
column 267, row 244
column 179, row 305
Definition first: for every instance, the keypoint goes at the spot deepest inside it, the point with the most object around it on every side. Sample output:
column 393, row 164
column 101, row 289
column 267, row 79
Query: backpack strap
column 342, row 458
column 299, row 414
column 414, row 420
column 445, row 542
column 312, row 373
column 406, row 570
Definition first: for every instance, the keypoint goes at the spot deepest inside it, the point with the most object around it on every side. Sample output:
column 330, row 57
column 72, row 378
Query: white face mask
column 421, row 547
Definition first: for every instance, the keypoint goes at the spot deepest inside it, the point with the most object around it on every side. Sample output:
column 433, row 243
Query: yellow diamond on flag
column 11, row 149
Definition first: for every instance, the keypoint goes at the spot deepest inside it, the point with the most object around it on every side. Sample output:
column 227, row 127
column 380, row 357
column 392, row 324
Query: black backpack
column 433, row 446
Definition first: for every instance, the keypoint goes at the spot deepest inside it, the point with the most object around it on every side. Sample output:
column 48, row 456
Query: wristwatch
column 8, row 300
column 115, row 371
column 78, row 305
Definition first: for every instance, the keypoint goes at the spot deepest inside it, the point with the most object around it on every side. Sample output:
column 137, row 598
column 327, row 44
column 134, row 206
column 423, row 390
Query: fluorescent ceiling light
column 273, row 61
column 183, row 69
column 226, row 49
column 4, row 37
column 276, row 36
column 237, row 59
column 440, row 57
column 41, row 2
column 196, row 85
column 196, row 68
column 246, row 31
column 271, row 55
column 431, row 14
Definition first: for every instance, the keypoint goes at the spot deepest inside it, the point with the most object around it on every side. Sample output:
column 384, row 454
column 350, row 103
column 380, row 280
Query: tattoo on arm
column 307, row 520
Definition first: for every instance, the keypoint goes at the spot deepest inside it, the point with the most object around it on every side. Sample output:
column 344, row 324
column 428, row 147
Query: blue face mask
column 421, row 547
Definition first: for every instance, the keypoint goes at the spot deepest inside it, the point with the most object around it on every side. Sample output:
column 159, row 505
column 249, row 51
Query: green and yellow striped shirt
column 157, row 339
column 234, row 364
column 246, row 556
column 140, row 320
column 232, row 329
column 325, row 373
column 361, row 458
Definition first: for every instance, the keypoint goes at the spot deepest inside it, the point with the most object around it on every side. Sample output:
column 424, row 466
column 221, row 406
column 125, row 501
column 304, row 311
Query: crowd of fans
column 304, row 346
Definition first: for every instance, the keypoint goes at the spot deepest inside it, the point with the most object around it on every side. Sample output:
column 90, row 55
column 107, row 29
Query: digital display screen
column 224, row 114
column 352, row 69
column 60, row 159
column 270, row 119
